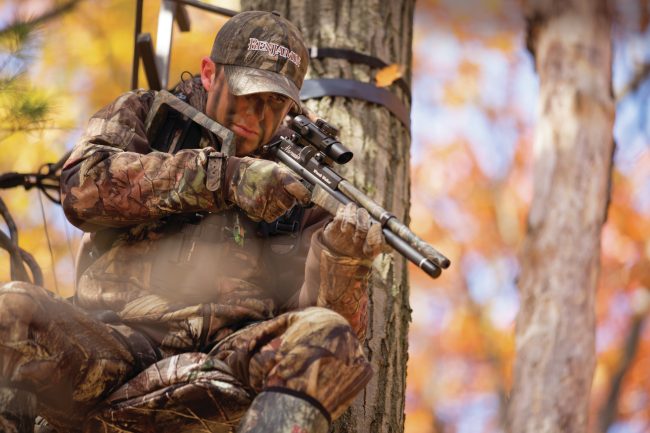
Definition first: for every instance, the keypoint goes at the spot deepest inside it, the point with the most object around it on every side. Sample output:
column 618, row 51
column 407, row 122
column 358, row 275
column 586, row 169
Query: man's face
column 253, row 118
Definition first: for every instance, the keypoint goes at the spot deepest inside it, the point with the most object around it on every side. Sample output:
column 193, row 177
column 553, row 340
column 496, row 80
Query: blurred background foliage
column 474, row 107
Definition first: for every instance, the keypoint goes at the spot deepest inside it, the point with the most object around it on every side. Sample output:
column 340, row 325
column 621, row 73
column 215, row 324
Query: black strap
column 287, row 224
column 356, row 57
column 358, row 90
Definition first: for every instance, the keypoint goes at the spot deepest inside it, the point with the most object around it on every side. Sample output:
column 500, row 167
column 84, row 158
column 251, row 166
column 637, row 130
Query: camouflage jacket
column 169, row 257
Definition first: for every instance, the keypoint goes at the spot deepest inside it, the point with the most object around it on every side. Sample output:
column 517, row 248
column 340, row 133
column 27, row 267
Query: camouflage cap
column 261, row 52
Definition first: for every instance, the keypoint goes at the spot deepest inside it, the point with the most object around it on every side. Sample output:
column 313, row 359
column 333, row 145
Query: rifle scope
column 323, row 137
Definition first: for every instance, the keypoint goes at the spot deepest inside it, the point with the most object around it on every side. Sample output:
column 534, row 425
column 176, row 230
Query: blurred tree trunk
column 380, row 168
column 560, row 259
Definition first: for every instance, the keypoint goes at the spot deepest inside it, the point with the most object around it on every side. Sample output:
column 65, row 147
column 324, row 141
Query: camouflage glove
column 263, row 189
column 352, row 234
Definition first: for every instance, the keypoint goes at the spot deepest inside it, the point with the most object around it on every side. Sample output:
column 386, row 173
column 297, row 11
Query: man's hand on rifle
column 263, row 189
column 352, row 233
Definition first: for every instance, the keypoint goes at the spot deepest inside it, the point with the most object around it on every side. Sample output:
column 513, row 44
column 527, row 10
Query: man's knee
column 19, row 303
column 327, row 330
column 23, row 288
column 319, row 319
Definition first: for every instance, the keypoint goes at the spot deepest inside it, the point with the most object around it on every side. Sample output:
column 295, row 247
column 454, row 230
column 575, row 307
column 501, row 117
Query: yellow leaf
column 469, row 68
column 505, row 42
column 386, row 76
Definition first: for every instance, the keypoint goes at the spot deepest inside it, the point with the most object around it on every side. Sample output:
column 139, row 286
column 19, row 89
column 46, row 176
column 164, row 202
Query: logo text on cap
column 274, row 49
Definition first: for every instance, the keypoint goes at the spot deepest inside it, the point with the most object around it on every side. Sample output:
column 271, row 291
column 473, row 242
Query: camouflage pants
column 74, row 362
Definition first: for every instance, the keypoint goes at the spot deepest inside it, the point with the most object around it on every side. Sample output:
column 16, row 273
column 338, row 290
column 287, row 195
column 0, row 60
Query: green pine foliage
column 23, row 107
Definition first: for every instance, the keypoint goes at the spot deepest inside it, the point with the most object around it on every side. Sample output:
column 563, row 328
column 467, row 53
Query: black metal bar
column 145, row 48
column 136, row 56
column 182, row 18
column 207, row 7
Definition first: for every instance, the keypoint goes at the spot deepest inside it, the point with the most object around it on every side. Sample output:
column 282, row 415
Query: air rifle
column 310, row 151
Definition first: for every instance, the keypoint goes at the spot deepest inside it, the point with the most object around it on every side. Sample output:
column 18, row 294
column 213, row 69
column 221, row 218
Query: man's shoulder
column 140, row 101
column 135, row 101
column 191, row 90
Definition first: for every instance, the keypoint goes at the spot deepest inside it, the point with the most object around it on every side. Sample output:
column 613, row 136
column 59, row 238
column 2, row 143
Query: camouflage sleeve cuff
column 322, row 249
column 319, row 252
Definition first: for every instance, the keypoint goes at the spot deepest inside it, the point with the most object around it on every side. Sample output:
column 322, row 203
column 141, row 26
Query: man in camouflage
column 188, row 314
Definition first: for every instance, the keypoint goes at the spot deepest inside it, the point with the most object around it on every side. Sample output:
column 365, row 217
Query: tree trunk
column 380, row 168
column 560, row 259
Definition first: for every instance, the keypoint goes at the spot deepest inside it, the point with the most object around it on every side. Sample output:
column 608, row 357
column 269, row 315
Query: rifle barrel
column 395, row 240
column 388, row 220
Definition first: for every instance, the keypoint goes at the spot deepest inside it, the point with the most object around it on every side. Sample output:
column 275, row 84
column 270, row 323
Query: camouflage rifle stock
column 309, row 152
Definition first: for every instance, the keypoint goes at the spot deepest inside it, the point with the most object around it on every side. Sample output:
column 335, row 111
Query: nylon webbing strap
column 356, row 57
column 358, row 90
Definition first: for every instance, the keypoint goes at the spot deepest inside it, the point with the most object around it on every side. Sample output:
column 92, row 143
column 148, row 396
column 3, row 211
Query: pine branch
column 21, row 27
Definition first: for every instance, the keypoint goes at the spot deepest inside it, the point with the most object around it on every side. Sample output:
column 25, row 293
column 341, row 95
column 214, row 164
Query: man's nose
column 256, row 106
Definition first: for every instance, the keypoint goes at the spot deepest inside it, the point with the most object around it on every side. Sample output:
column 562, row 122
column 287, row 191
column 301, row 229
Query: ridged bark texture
column 560, row 258
column 380, row 168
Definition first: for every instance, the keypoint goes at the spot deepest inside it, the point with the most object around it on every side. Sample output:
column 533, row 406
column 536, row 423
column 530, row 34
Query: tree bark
column 560, row 258
column 380, row 168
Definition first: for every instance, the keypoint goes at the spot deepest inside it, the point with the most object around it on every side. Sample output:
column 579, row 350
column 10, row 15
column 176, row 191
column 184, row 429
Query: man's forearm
column 114, row 179
column 338, row 283
column 113, row 188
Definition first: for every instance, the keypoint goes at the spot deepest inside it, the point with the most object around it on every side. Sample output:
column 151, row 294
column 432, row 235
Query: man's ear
column 208, row 70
